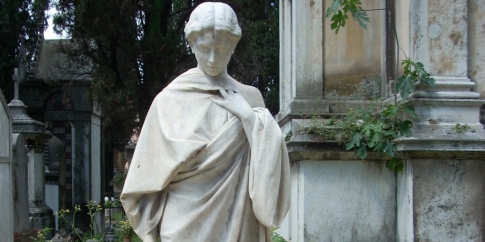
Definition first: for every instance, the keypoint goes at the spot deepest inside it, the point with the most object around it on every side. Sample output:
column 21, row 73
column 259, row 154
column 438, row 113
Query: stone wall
column 342, row 200
column 69, row 104
column 6, row 172
column 336, row 196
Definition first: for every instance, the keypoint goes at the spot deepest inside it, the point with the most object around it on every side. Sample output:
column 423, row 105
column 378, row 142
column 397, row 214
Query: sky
column 49, row 32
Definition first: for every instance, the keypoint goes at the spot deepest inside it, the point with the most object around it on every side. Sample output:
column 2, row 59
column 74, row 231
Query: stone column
column 440, row 194
column 301, row 59
column 438, row 38
column 476, row 48
column 41, row 215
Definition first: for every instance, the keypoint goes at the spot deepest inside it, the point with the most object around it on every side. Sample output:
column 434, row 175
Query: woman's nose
column 212, row 56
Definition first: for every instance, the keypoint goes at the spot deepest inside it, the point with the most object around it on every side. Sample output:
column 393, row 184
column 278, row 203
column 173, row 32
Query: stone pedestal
column 440, row 195
column 338, row 197
column 41, row 215
column 440, row 192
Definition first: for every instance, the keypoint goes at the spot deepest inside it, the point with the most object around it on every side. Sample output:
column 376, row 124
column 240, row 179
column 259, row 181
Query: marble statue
column 211, row 163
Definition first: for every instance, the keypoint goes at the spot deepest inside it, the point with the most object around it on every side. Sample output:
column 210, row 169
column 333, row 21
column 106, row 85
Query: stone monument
column 336, row 196
column 41, row 215
column 20, row 160
column 6, row 186
column 20, row 180
column 220, row 175
column 54, row 157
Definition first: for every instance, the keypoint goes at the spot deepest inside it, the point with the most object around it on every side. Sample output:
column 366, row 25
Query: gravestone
column 20, row 160
column 33, row 131
column 54, row 157
column 20, row 181
column 6, row 187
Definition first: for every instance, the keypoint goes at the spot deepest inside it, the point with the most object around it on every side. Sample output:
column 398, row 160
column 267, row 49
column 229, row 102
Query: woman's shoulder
column 252, row 95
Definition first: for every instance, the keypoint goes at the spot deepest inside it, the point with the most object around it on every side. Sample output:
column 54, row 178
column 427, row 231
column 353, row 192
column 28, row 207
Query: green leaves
column 370, row 129
column 338, row 20
column 395, row 163
column 360, row 16
column 410, row 111
column 413, row 72
column 405, row 128
column 367, row 128
column 339, row 17
column 405, row 85
column 354, row 142
column 333, row 8
column 361, row 151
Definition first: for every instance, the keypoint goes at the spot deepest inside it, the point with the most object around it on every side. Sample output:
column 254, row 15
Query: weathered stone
column 441, row 190
column 41, row 215
column 443, row 35
column 78, row 125
column 342, row 200
column 21, row 195
column 6, row 172
column 448, row 200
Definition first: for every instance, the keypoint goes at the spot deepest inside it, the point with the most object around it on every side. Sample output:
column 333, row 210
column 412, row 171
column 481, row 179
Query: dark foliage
column 136, row 47
column 20, row 21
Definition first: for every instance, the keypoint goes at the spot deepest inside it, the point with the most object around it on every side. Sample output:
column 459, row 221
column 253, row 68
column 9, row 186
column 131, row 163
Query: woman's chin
column 212, row 73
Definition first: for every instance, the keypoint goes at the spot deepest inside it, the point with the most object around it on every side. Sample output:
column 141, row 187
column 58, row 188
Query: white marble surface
column 211, row 163
column 6, row 186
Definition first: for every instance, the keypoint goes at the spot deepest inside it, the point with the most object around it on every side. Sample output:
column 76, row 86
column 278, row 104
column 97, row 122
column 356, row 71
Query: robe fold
column 194, row 176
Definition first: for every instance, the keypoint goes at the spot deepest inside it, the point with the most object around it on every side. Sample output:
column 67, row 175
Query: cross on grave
column 20, row 73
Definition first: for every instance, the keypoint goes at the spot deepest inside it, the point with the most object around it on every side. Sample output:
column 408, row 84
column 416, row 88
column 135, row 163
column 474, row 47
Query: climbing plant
column 339, row 12
column 374, row 127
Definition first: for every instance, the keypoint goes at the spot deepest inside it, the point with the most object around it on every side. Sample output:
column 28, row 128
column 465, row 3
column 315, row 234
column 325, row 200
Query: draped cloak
column 194, row 176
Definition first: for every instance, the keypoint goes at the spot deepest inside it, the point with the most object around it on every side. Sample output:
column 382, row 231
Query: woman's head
column 213, row 33
column 216, row 17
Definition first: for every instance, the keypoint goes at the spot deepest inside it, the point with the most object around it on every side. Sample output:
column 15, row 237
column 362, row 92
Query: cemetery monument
column 211, row 163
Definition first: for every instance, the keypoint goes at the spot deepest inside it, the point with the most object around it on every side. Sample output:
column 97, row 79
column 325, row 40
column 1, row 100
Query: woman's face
column 213, row 51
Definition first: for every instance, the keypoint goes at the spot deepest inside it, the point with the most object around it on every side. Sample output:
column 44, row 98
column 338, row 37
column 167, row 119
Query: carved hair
column 215, row 16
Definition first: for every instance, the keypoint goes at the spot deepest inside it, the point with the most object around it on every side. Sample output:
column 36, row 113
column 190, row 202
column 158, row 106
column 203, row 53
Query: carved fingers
column 234, row 103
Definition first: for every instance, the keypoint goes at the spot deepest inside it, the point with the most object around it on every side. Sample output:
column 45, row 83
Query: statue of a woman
column 210, row 163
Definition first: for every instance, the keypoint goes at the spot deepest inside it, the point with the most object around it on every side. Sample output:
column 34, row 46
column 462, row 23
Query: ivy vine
column 373, row 128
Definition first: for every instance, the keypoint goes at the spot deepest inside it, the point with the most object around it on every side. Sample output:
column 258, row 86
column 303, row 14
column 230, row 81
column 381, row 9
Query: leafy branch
column 413, row 72
column 372, row 128
column 339, row 11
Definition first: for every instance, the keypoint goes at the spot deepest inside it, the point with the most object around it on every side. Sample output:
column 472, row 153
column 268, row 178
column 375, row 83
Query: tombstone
column 22, row 230
column 71, row 117
column 6, row 186
column 20, row 180
column 35, row 136
column 41, row 215
column 55, row 175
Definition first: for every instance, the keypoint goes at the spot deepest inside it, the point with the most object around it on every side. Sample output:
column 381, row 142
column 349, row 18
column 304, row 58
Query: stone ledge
column 412, row 148
column 445, row 94
column 325, row 150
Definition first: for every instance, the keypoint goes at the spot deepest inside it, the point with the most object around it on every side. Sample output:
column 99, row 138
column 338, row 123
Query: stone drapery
column 194, row 176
